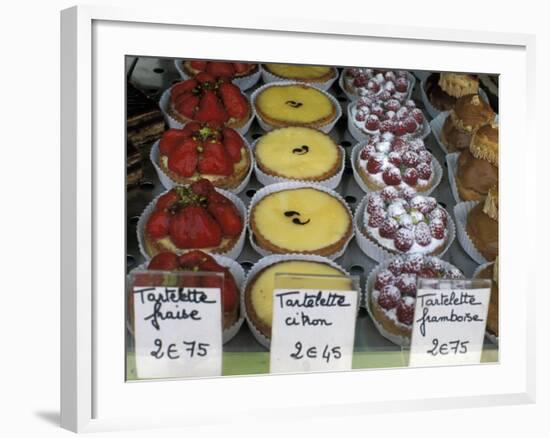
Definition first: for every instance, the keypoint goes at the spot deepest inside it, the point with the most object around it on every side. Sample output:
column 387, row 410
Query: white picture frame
column 94, row 395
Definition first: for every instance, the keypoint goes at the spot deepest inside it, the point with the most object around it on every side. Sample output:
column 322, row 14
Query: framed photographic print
column 327, row 227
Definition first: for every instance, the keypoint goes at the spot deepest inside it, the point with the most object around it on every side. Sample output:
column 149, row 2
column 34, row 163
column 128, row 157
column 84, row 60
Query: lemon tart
column 294, row 105
column 259, row 291
column 298, row 153
column 301, row 73
column 302, row 220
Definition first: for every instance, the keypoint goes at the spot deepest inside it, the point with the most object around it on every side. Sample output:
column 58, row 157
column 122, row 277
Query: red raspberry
column 410, row 104
column 408, row 193
column 428, row 273
column 403, row 239
column 389, row 87
column 399, row 145
column 384, row 95
column 388, row 228
column 373, row 86
column 392, row 176
column 410, row 125
column 372, row 123
column 389, row 76
column 413, row 264
column 377, row 110
column 410, row 159
column 394, row 158
column 360, row 80
column 383, row 278
column 418, row 116
column 437, row 228
column 374, row 203
column 454, row 274
column 367, row 152
column 401, row 84
column 376, row 218
column 389, row 297
column 387, row 126
column 389, row 193
column 439, row 213
column 410, row 176
column 422, row 234
column 424, row 171
column 374, row 165
column 361, row 116
column 434, row 264
column 406, row 283
column 400, row 128
column 425, row 157
column 393, row 105
column 396, row 266
column 405, row 310
column 402, row 113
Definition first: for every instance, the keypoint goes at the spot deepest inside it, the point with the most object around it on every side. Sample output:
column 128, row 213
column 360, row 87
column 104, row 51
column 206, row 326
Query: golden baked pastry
column 259, row 291
column 469, row 114
column 298, row 153
column 482, row 225
column 294, row 105
column 301, row 73
column 302, row 220
column 484, row 144
column 458, row 84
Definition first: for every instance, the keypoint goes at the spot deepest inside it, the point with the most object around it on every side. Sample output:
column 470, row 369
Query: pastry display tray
column 243, row 354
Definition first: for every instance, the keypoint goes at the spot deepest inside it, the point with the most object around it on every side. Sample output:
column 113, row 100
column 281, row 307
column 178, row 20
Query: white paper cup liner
column 488, row 335
column 461, row 211
column 168, row 183
column 369, row 287
column 377, row 252
column 273, row 188
column 264, row 263
column 436, row 169
column 360, row 135
column 269, row 77
column 233, row 253
column 244, row 82
column 452, row 163
column 267, row 127
column 354, row 96
column 238, row 274
column 432, row 110
column 164, row 105
column 437, row 126
column 266, row 179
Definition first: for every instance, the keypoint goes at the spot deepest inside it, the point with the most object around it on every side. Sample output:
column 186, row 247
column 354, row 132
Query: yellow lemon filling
column 291, row 71
column 262, row 289
column 302, row 219
column 294, row 104
column 296, row 152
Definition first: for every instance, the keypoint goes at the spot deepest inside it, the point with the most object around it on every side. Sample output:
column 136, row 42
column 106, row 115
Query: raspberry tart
column 391, row 292
column 192, row 217
column 367, row 117
column 388, row 160
column 369, row 82
column 199, row 261
column 206, row 99
column 404, row 222
column 207, row 151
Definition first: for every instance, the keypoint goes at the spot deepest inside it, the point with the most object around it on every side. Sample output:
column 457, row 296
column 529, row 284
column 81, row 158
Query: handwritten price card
column 177, row 331
column 312, row 330
column 449, row 324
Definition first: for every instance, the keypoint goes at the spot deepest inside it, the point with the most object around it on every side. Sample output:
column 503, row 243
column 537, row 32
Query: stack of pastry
column 443, row 89
column 477, row 167
column 469, row 114
column 482, row 225
column 144, row 121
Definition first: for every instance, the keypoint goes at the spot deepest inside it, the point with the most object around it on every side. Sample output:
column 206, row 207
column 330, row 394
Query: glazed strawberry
column 182, row 87
column 233, row 143
column 191, row 260
column 230, row 293
column 202, row 187
column 193, row 227
column 220, row 69
column 169, row 139
column 203, row 78
column 185, row 157
column 228, row 217
column 233, row 100
column 199, row 65
column 188, row 107
column 164, row 261
column 167, row 200
column 158, row 224
column 190, row 129
column 241, row 67
column 210, row 109
column 215, row 160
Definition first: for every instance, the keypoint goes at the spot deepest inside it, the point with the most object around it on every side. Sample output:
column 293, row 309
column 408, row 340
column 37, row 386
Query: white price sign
column 312, row 330
column 449, row 326
column 177, row 332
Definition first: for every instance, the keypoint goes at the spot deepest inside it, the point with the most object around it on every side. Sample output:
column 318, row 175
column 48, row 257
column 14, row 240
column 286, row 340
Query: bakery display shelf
column 243, row 354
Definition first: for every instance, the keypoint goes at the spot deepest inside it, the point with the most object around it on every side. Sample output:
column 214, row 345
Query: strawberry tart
column 380, row 115
column 192, row 217
column 207, row 151
column 218, row 69
column 404, row 222
column 388, row 160
column 208, row 99
column 391, row 292
column 369, row 82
